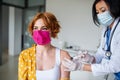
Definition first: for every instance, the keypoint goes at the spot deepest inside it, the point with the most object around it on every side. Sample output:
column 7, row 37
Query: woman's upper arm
column 22, row 69
column 64, row 74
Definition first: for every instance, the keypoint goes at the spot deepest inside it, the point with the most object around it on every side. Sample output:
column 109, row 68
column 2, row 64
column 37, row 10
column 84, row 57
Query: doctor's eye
column 103, row 9
column 97, row 12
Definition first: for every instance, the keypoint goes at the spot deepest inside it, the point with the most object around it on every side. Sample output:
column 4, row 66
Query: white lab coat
column 104, row 66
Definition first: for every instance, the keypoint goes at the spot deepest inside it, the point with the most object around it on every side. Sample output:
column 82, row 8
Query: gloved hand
column 84, row 57
column 72, row 65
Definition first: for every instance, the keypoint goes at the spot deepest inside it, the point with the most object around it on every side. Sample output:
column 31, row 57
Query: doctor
column 105, row 13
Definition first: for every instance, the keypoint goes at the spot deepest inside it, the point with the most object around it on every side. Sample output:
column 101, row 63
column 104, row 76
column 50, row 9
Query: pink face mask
column 41, row 37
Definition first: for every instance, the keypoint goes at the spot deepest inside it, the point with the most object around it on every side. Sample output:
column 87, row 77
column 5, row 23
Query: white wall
column 11, row 30
column 75, row 18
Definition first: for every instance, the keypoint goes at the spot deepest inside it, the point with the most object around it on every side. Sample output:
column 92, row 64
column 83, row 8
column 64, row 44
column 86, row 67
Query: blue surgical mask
column 105, row 18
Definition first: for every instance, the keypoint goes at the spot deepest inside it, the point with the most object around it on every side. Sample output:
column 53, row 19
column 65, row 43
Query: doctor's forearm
column 87, row 67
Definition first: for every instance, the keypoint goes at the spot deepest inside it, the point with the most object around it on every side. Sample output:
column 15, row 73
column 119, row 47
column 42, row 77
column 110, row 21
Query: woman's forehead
column 101, row 4
column 39, row 22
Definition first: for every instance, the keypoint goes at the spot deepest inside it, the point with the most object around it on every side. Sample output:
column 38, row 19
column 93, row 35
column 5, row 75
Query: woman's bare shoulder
column 64, row 54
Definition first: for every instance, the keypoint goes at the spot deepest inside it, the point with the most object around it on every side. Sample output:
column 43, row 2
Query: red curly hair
column 50, row 22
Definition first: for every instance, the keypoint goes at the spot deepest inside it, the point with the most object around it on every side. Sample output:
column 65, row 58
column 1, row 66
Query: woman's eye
column 103, row 9
column 44, row 28
column 34, row 28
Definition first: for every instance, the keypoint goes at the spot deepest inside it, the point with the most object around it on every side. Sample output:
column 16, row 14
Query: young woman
column 42, row 61
column 107, row 58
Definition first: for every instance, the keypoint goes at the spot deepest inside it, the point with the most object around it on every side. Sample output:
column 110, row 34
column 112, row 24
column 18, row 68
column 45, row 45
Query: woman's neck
column 43, row 48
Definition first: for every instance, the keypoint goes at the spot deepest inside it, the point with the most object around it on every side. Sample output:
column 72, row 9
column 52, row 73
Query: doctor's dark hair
column 114, row 7
column 50, row 22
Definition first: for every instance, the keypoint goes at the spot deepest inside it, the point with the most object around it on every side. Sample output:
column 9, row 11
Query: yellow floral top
column 27, row 64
